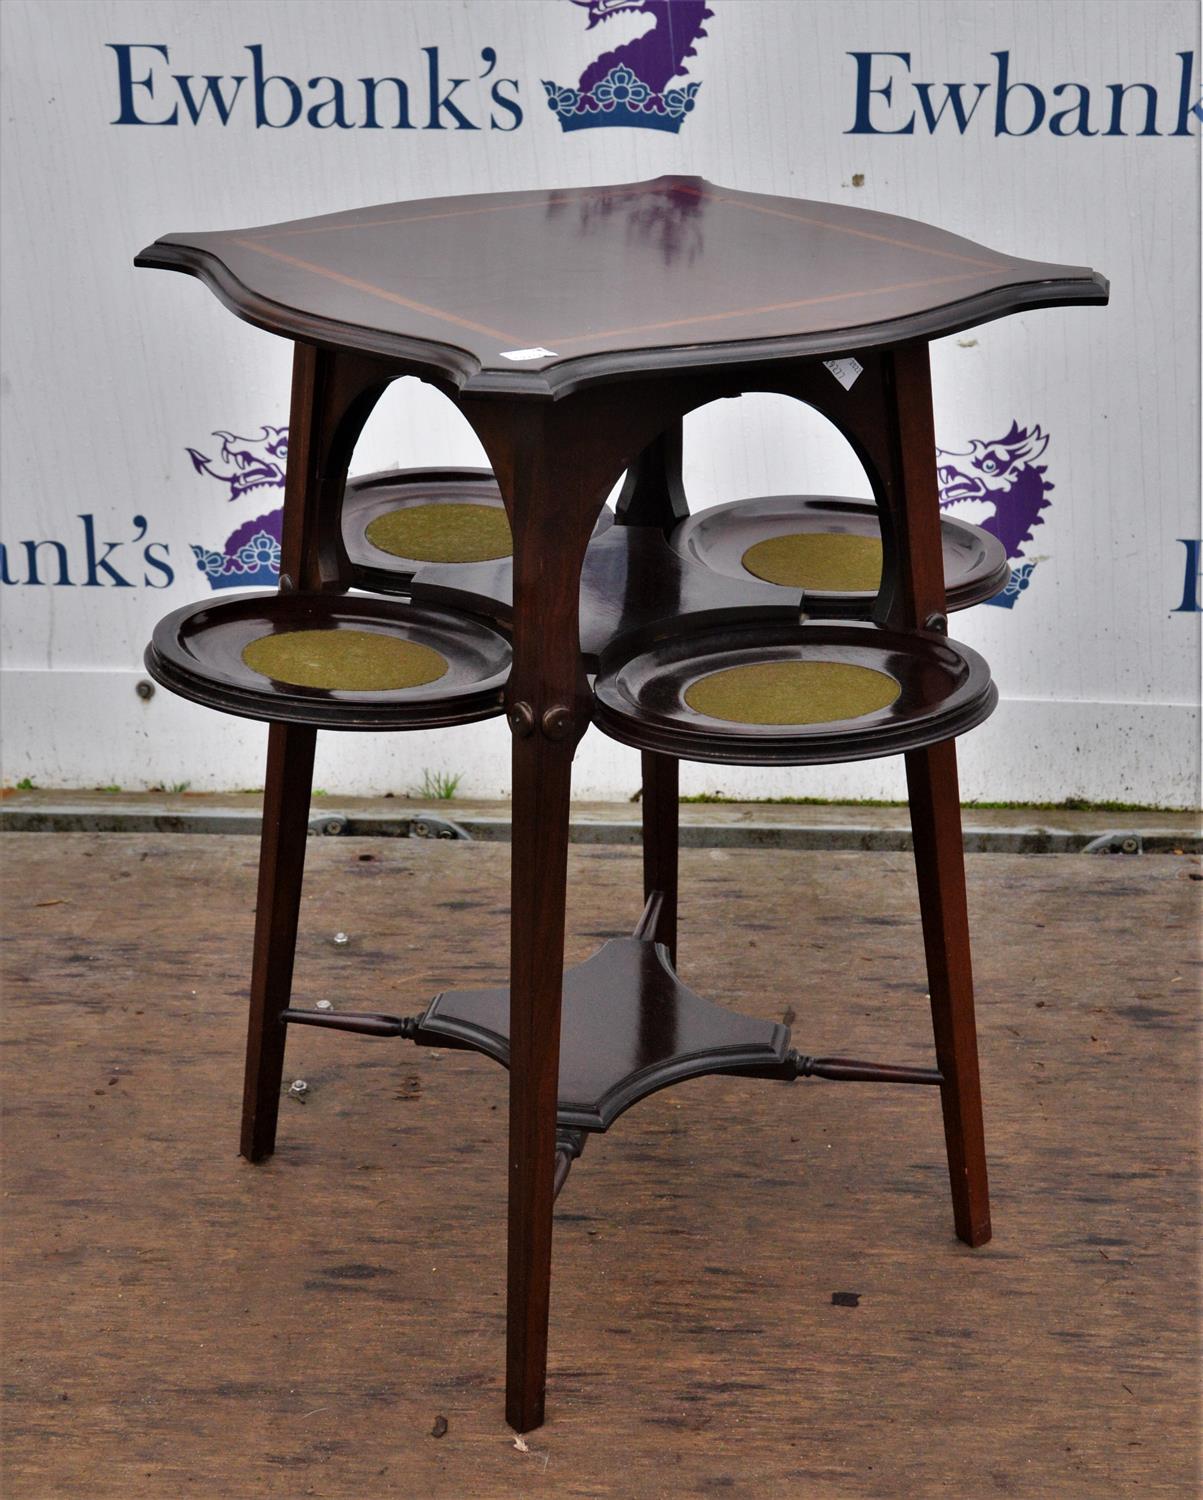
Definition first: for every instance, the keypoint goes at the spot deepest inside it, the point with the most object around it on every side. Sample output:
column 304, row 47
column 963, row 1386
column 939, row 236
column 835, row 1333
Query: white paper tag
column 845, row 371
column 534, row 354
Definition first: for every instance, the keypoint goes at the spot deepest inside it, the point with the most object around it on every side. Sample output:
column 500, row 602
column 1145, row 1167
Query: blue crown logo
column 620, row 99
column 1018, row 581
column 250, row 558
column 630, row 85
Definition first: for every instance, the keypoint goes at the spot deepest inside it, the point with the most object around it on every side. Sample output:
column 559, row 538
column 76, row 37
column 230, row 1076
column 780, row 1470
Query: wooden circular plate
column 373, row 501
column 722, row 537
column 208, row 652
column 897, row 691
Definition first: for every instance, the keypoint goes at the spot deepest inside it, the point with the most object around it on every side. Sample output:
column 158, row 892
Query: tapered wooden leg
column 661, row 817
column 332, row 395
column 940, row 864
column 281, row 864
column 542, row 785
column 554, row 462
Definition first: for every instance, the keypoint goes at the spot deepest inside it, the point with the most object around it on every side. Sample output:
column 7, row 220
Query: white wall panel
column 111, row 375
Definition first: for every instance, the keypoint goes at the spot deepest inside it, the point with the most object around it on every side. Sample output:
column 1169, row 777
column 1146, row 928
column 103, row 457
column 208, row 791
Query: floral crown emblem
column 633, row 83
column 621, row 99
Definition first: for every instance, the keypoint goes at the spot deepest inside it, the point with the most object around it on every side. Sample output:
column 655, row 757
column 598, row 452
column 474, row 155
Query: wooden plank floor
column 182, row 1324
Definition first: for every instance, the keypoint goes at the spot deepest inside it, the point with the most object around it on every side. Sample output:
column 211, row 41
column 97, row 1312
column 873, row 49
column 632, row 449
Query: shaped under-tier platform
column 629, row 1027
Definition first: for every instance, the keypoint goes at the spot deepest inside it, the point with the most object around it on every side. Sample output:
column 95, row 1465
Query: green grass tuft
column 439, row 786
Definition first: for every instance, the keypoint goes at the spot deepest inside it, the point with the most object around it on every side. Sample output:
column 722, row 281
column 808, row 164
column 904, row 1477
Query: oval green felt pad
column 791, row 692
column 443, row 533
column 352, row 661
column 837, row 562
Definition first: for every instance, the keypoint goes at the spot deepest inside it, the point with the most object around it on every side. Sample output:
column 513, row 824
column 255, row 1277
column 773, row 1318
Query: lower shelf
column 629, row 1027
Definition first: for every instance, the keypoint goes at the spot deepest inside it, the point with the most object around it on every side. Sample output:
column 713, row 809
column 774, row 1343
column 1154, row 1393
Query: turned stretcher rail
column 797, row 1064
column 364, row 1023
column 852, row 1070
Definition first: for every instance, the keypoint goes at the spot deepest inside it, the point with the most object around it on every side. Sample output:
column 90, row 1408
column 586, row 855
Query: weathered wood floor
column 182, row 1324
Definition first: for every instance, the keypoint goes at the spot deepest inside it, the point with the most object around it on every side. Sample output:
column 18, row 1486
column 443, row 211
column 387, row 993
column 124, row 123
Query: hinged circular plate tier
column 404, row 521
column 828, row 546
column 392, row 526
column 868, row 691
column 343, row 662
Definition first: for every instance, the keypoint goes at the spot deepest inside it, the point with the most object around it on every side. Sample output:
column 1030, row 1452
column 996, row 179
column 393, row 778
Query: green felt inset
column 352, row 661
column 443, row 533
column 837, row 562
column 792, row 692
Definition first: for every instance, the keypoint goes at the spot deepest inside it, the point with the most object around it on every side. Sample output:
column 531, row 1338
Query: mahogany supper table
column 574, row 330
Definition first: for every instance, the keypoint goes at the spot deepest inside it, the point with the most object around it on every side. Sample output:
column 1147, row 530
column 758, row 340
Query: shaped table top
column 539, row 292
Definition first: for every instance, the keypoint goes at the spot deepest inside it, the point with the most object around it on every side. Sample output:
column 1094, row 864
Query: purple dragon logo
column 999, row 487
column 251, row 555
column 256, row 461
column 630, row 85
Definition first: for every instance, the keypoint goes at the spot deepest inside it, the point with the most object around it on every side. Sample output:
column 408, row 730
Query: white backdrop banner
column 145, row 428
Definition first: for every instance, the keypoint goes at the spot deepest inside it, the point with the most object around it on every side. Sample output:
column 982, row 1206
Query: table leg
column 554, row 465
column 653, row 494
column 542, row 786
column 332, row 396
column 914, row 596
column 940, row 866
column 281, row 864
column 888, row 417
column 661, row 816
